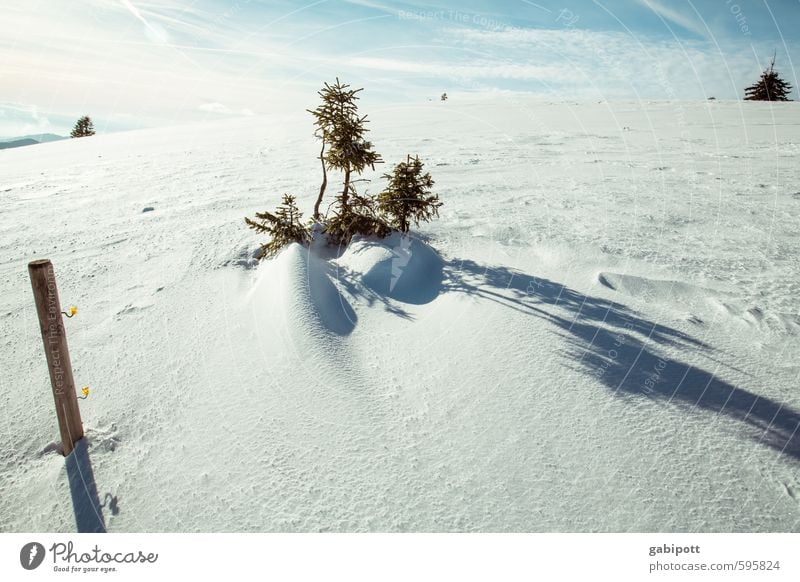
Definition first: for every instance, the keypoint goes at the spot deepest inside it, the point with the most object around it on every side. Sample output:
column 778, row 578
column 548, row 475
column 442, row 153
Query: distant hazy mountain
column 16, row 142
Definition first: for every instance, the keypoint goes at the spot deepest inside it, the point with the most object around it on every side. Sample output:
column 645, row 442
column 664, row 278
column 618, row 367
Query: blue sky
column 139, row 63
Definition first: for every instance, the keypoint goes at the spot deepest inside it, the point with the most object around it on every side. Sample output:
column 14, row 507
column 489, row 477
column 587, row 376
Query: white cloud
column 17, row 119
column 215, row 108
column 93, row 57
column 221, row 109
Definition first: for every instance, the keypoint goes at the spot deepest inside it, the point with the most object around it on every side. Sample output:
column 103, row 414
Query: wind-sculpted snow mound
column 702, row 304
column 299, row 286
column 654, row 289
column 400, row 267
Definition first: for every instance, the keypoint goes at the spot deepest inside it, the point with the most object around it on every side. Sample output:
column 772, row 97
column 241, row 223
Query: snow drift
column 599, row 334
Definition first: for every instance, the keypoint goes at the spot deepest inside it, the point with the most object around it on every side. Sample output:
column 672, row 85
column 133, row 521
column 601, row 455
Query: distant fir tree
column 284, row 226
column 340, row 127
column 408, row 196
column 83, row 128
column 444, row 97
column 770, row 87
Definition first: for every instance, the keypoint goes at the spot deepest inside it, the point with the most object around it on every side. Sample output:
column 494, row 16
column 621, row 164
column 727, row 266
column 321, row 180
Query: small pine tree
column 408, row 196
column 83, row 127
column 341, row 128
column 444, row 97
column 770, row 87
column 284, row 226
column 359, row 217
column 326, row 115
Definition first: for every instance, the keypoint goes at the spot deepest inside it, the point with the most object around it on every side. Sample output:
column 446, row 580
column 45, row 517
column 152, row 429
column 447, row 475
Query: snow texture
column 599, row 334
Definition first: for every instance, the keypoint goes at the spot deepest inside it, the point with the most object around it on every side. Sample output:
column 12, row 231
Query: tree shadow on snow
column 606, row 340
column 619, row 348
column 349, row 283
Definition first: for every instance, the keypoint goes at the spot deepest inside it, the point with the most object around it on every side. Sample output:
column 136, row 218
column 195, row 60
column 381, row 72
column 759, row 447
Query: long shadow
column 83, row 489
column 618, row 347
column 350, row 283
column 607, row 340
column 626, row 365
column 530, row 295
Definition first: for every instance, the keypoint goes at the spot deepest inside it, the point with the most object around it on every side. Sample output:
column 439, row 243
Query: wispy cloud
column 170, row 61
column 374, row 5
column 673, row 16
column 445, row 70
column 616, row 64
column 153, row 31
column 102, row 58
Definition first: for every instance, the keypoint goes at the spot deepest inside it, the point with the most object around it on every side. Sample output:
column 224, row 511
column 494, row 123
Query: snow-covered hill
column 599, row 334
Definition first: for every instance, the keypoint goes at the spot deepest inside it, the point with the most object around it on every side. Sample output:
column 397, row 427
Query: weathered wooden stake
column 48, row 307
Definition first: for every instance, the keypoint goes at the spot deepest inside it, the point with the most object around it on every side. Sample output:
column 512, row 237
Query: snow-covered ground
column 599, row 334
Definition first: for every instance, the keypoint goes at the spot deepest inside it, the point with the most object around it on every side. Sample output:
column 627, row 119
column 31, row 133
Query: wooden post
column 48, row 307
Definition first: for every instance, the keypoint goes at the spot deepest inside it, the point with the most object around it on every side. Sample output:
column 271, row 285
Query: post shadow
column 83, row 489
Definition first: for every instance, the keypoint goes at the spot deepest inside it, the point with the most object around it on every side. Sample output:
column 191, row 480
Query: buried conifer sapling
column 284, row 226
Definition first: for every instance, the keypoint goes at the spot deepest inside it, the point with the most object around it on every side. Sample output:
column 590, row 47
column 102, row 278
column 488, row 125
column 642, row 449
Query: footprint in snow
column 131, row 308
column 105, row 439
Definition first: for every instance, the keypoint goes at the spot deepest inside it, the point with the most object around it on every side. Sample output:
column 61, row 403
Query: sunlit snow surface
column 599, row 334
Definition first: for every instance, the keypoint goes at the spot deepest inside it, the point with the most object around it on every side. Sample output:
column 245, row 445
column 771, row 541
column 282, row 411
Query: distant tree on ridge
column 770, row 87
column 83, row 127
